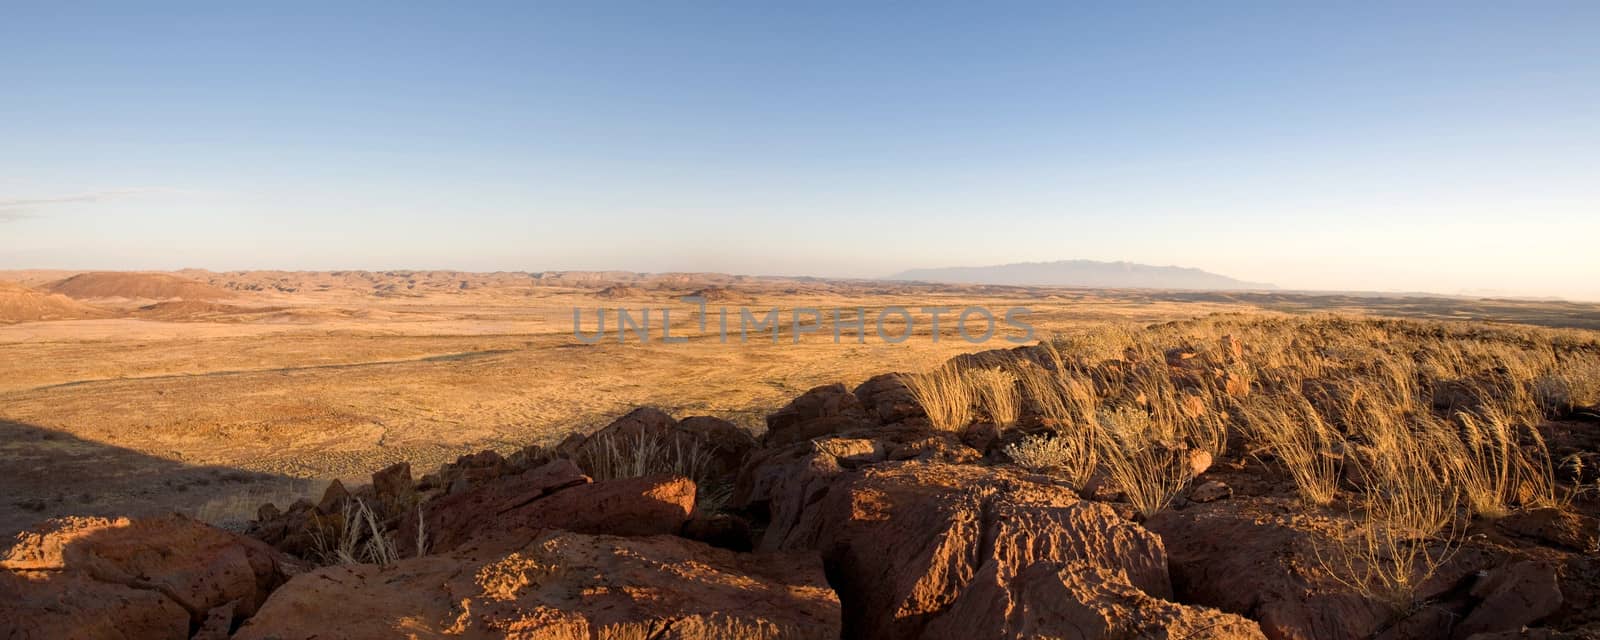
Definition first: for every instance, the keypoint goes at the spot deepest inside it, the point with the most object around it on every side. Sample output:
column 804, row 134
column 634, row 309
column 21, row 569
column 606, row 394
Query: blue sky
column 1445, row 147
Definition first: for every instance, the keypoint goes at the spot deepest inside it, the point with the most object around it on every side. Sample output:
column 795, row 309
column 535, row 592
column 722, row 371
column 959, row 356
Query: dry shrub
column 996, row 392
column 643, row 454
column 1149, row 471
column 1384, row 558
column 650, row 453
column 1069, row 457
column 1574, row 385
column 1306, row 446
column 358, row 537
column 1408, row 528
column 944, row 395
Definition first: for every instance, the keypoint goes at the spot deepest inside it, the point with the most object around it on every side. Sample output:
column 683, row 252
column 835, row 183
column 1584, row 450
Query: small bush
column 1073, row 458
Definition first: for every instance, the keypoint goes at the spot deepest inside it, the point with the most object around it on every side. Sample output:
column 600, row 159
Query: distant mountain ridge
column 1083, row 273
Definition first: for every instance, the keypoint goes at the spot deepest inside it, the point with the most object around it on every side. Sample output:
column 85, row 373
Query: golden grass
column 996, row 391
column 945, row 396
column 650, row 453
column 358, row 537
column 1150, row 472
column 1295, row 434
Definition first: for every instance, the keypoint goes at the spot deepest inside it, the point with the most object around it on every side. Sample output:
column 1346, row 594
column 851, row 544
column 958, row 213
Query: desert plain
column 127, row 393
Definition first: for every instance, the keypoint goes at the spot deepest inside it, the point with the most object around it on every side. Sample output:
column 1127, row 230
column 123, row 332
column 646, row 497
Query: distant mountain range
column 1083, row 273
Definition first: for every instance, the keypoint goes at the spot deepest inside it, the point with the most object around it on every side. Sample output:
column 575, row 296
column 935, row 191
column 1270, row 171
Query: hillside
column 135, row 285
column 1082, row 273
column 22, row 304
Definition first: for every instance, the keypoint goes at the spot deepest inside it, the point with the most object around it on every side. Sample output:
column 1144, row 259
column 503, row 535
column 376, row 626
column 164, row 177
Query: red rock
column 1554, row 526
column 820, row 411
column 51, row 605
column 394, row 488
column 1210, row 491
column 729, row 442
column 886, row 398
column 556, row 496
column 450, row 519
column 561, row 585
column 1513, row 596
column 1254, row 557
column 725, row 442
column 903, row 541
column 150, row 574
column 781, row 481
column 333, row 498
column 1076, row 600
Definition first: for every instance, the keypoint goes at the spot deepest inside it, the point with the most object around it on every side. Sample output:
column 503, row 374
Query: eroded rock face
column 1258, row 558
column 450, row 519
column 556, row 496
column 886, row 398
column 148, row 577
column 1077, row 600
column 782, row 481
column 1512, row 597
column 561, row 585
column 905, row 542
column 821, row 411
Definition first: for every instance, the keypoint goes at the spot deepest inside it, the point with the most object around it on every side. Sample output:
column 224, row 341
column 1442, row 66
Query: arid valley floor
column 265, row 385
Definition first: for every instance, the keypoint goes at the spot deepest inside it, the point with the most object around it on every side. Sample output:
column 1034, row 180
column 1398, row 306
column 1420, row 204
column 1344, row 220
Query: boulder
column 781, row 481
column 561, row 585
column 473, row 469
column 394, row 488
column 98, row 577
column 821, row 411
column 555, row 496
column 1076, row 600
column 449, row 519
column 904, row 541
column 1258, row 557
column 886, row 398
column 49, row 605
column 1512, row 597
column 729, row 442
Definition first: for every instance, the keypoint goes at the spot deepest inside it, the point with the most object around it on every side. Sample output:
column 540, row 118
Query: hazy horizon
column 1432, row 147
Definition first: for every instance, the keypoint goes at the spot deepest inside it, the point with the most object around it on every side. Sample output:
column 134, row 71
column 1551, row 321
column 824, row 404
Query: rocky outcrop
column 918, row 547
column 724, row 442
column 1076, row 600
column 1259, row 558
column 145, row 578
column 628, row 506
column 1512, row 597
column 561, row 585
column 781, row 482
column 886, row 398
column 819, row 412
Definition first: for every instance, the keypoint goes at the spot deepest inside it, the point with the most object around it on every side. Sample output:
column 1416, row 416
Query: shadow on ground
column 48, row 473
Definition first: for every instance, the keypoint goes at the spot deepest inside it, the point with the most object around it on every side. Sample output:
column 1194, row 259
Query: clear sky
column 1445, row 147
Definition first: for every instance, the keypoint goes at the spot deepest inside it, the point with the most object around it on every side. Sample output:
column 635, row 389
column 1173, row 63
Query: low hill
column 1082, row 273
column 136, row 285
column 22, row 304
